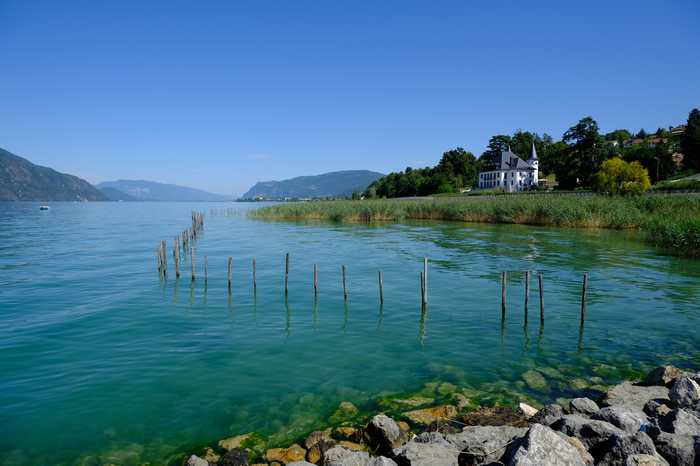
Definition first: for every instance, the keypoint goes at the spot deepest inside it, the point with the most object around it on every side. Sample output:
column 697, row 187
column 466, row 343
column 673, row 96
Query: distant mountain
column 333, row 184
column 114, row 194
column 151, row 191
column 21, row 180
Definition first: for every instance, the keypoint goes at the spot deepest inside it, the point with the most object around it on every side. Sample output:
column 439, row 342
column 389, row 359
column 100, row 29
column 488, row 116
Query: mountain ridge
column 145, row 190
column 342, row 183
column 22, row 180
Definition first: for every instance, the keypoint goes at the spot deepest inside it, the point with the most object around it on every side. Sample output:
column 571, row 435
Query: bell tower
column 535, row 164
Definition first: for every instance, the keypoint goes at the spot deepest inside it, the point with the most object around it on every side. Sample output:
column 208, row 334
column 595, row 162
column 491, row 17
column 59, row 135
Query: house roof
column 510, row 161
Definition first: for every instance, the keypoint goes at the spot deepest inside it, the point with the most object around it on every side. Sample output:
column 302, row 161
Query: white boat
column 44, row 207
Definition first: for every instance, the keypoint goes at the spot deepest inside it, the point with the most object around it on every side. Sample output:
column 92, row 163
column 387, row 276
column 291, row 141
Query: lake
column 101, row 361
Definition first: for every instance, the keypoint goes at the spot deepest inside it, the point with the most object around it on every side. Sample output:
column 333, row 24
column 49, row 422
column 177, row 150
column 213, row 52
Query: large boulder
column 628, row 394
column 590, row 432
column 317, row 443
column 286, row 455
column 680, row 421
column 620, row 447
column 427, row 449
column 685, row 393
column 540, row 446
column 300, row 463
column 383, row 434
column 625, row 417
column 482, row 444
column 548, row 414
column 645, row 460
column 583, row 406
column 656, row 409
column 341, row 456
column 681, row 450
column 662, row 376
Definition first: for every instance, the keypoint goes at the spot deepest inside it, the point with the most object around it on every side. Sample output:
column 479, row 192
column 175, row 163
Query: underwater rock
column 495, row 416
column 427, row 416
column 535, row 381
column 347, row 433
column 286, row 455
column 446, row 388
column 345, row 411
column 412, row 402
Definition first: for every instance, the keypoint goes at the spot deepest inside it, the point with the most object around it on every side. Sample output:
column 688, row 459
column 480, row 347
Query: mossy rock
column 346, row 411
column 535, row 381
column 446, row 388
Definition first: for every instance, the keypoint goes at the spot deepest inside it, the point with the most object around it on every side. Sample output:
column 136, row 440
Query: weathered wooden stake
column 286, row 274
column 255, row 280
column 192, row 262
column 425, row 281
column 228, row 270
column 206, row 270
column 541, row 288
column 422, row 290
column 381, row 288
column 345, row 288
column 527, row 292
column 176, row 251
column 504, row 279
column 315, row 280
column 584, row 289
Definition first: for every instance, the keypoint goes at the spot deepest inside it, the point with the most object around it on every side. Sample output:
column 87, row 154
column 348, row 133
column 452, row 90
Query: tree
column 619, row 135
column 657, row 160
column 619, row 177
column 582, row 158
column 492, row 154
column 641, row 134
column 690, row 141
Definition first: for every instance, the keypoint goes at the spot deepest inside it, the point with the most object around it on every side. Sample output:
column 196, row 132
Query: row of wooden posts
column 183, row 243
column 423, row 282
column 504, row 282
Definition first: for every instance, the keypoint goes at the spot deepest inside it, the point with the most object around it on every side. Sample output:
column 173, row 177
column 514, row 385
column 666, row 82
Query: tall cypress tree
column 690, row 141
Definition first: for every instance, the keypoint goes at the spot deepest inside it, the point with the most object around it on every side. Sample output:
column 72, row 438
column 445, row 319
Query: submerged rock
column 345, row 411
column 540, row 446
column 286, row 455
column 350, row 433
column 497, row 416
column 427, row 416
column 535, row 381
column 628, row 394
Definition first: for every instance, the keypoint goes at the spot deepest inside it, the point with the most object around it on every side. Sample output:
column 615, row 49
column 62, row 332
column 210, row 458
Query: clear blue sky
column 218, row 95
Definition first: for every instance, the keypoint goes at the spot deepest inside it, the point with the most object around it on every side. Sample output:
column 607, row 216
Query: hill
column 114, row 194
column 142, row 190
column 333, row 184
column 21, row 180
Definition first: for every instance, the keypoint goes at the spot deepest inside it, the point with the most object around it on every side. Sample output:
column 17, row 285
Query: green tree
column 583, row 156
column 619, row 177
column 619, row 135
column 690, row 141
column 491, row 156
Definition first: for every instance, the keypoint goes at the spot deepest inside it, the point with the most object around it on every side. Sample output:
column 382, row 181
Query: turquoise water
column 101, row 361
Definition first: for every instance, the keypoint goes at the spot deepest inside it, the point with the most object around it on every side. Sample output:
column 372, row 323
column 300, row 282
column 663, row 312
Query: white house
column 512, row 173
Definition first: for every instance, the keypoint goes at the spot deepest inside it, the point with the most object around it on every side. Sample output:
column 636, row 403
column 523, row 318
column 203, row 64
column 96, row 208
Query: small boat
column 44, row 207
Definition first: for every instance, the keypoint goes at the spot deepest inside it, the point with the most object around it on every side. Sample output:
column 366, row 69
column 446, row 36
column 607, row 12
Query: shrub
column 619, row 177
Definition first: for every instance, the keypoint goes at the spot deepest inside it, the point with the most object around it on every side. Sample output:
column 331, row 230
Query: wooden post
column 315, row 280
column 206, row 270
column 504, row 280
column 255, row 279
column 176, row 252
column 286, row 274
column 425, row 281
column 345, row 288
column 584, row 289
column 422, row 290
column 228, row 270
column 192, row 262
column 381, row 288
column 527, row 292
column 541, row 288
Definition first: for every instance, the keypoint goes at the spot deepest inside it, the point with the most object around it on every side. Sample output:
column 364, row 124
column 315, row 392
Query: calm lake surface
column 100, row 361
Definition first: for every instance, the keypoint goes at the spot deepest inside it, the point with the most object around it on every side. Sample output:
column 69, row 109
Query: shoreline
column 652, row 421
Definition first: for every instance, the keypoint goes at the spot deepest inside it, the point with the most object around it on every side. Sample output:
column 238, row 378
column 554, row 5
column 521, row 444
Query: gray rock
column 662, row 376
column 655, row 409
column 481, row 444
column 541, row 445
column 427, row 449
column 645, row 460
column 590, row 432
column 685, row 393
column 195, row 460
column 681, row 450
column 341, row 456
column 616, row 450
column 680, row 421
column 235, row 457
column 625, row 417
column 548, row 414
column 300, row 463
column 584, row 406
column 383, row 433
column 627, row 394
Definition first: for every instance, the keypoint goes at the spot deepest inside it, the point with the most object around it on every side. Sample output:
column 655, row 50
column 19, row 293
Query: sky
column 220, row 94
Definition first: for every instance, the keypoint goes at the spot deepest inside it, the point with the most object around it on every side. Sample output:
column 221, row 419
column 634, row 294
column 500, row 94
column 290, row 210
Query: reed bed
column 671, row 222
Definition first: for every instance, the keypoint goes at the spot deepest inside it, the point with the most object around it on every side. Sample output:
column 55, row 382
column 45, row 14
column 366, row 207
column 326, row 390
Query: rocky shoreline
column 655, row 421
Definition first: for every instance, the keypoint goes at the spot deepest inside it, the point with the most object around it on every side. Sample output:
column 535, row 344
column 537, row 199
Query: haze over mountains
column 333, row 184
column 142, row 190
column 21, row 180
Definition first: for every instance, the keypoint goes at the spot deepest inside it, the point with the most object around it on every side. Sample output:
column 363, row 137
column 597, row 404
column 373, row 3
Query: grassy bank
column 671, row 222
